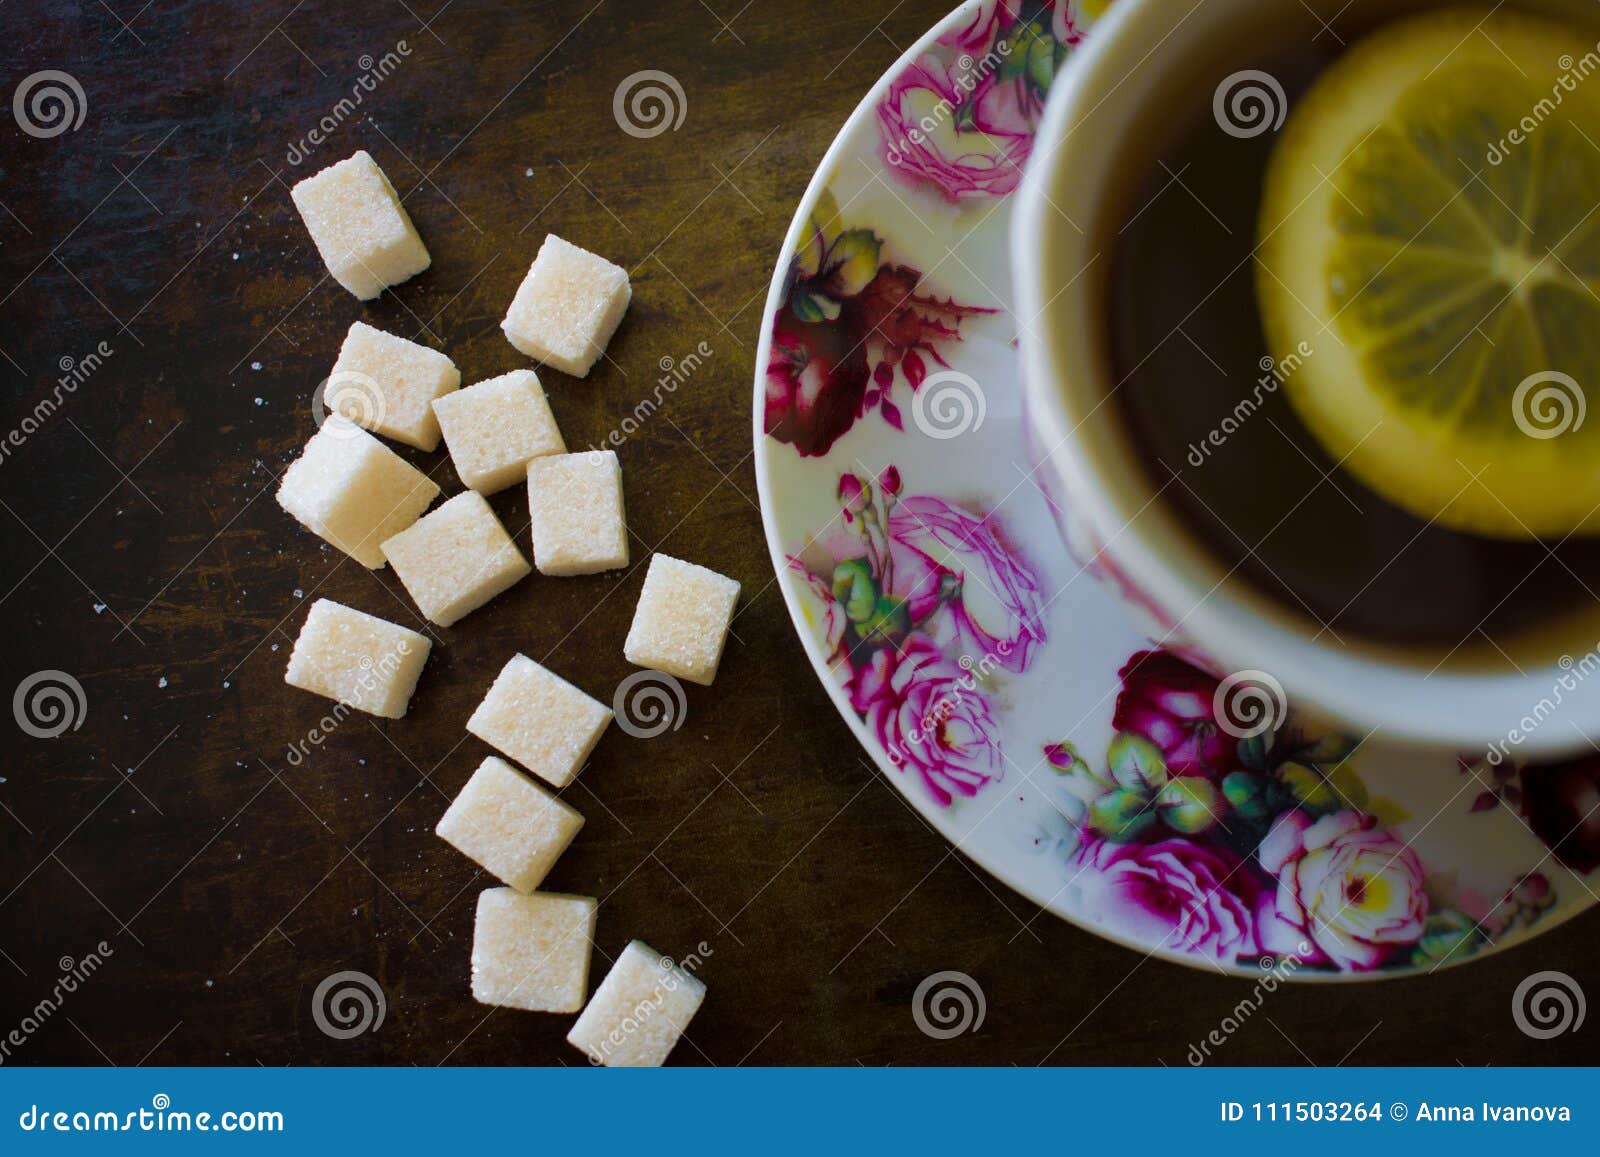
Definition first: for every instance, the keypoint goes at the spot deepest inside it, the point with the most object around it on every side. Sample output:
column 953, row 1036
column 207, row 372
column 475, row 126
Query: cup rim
column 1237, row 628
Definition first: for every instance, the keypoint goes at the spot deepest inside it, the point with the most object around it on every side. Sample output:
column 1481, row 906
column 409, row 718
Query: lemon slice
column 1430, row 230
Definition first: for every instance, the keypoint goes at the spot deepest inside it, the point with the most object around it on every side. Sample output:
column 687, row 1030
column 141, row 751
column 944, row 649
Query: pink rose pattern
column 921, row 707
column 1257, row 849
column 934, row 539
column 1174, row 892
column 887, row 593
column 960, row 120
column 1169, row 702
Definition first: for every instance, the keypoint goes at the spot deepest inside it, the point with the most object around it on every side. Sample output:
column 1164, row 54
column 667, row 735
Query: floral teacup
column 1148, row 61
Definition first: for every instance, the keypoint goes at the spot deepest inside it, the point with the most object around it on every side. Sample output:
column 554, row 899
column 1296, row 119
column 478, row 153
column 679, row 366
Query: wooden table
column 145, row 556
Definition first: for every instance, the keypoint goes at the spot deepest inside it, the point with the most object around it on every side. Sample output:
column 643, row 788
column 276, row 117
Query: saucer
column 1002, row 687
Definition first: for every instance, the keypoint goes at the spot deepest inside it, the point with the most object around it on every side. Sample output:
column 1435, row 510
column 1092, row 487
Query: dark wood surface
column 142, row 552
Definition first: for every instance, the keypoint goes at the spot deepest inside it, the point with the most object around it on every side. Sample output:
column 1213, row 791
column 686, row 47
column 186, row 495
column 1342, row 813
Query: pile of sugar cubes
column 531, row 949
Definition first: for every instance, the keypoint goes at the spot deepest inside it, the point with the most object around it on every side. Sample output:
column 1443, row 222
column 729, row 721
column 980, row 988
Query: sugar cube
column 567, row 307
column 639, row 1011
column 359, row 226
column 493, row 429
column 387, row 384
column 509, row 824
column 532, row 952
column 575, row 503
column 353, row 490
column 356, row 658
column 455, row 559
column 540, row 720
column 682, row 619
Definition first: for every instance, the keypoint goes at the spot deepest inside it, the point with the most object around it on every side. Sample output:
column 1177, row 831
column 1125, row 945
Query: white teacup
column 1108, row 120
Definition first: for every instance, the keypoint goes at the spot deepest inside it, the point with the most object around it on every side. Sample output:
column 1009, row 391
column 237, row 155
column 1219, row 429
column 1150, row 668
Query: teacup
column 1107, row 120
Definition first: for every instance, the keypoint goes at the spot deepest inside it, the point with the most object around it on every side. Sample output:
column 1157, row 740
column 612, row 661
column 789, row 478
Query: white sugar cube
column 356, row 658
column 359, row 226
column 567, row 307
column 495, row 428
column 387, row 384
column 532, row 952
column 354, row 491
column 509, row 824
column 540, row 720
column 456, row 559
column 682, row 619
column 575, row 503
column 639, row 1011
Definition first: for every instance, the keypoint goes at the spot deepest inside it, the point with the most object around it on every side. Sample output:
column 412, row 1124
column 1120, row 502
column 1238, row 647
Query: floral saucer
column 1001, row 686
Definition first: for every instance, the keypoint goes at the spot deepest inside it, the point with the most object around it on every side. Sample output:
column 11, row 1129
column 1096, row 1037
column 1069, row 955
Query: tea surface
column 1203, row 401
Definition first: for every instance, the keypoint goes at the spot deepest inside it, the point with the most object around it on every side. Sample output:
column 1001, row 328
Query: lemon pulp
column 1430, row 230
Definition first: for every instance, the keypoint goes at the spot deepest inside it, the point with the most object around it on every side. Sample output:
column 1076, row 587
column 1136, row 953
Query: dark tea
column 1203, row 399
